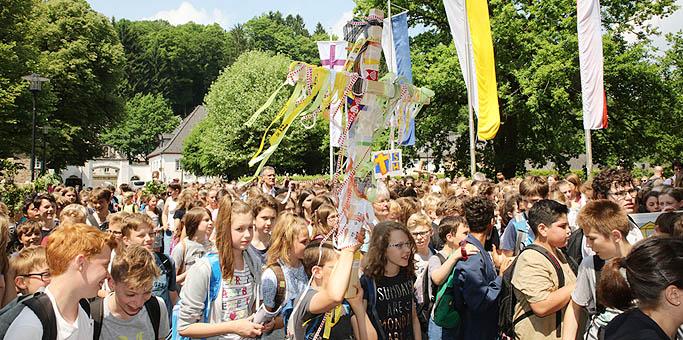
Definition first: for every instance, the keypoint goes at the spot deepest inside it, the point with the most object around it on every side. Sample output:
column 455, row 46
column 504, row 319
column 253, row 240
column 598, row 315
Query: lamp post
column 35, row 85
column 46, row 130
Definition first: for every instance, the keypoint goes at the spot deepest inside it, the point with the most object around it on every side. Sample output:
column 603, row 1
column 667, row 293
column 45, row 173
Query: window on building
column 177, row 165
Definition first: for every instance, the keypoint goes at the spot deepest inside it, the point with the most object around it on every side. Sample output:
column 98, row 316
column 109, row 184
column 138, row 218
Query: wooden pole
column 470, row 90
column 589, row 154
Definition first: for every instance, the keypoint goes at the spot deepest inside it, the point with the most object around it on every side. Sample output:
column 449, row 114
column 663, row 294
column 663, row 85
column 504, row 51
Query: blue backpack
column 214, row 289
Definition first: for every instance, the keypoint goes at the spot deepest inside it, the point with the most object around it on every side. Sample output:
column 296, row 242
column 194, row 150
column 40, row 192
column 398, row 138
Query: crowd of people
column 521, row 258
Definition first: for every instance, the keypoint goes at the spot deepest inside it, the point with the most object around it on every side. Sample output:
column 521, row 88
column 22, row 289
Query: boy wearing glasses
column 32, row 271
column 420, row 227
column 517, row 234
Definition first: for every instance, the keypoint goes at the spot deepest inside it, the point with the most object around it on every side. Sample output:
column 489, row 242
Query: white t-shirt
column 28, row 326
column 172, row 205
column 138, row 327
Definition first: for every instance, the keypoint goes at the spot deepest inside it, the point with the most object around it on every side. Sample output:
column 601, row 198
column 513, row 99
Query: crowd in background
column 528, row 258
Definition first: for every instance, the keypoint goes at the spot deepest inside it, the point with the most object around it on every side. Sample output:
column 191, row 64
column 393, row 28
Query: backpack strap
column 165, row 261
column 97, row 310
column 214, row 284
column 442, row 259
column 598, row 263
column 371, row 308
column 281, row 286
column 41, row 305
column 560, row 279
column 154, row 313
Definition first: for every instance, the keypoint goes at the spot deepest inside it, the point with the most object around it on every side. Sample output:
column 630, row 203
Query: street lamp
column 35, row 85
column 46, row 130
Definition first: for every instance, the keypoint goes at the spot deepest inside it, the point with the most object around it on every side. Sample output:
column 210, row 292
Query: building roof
column 173, row 143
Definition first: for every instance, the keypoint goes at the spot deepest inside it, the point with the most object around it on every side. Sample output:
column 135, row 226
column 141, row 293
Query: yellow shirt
column 534, row 279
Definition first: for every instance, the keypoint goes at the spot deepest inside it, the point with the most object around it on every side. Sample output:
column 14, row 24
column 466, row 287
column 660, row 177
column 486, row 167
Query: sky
column 228, row 13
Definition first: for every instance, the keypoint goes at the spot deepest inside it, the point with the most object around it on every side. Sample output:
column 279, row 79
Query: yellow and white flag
column 471, row 17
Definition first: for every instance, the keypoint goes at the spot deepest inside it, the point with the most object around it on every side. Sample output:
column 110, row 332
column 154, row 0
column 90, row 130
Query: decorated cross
column 367, row 105
column 332, row 61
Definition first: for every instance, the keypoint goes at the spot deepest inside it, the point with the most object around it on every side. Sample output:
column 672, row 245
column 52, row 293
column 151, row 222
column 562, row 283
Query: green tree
column 146, row 118
column 222, row 145
column 537, row 71
column 76, row 48
column 287, row 36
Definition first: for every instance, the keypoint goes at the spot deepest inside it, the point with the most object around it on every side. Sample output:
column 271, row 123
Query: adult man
column 268, row 181
column 677, row 179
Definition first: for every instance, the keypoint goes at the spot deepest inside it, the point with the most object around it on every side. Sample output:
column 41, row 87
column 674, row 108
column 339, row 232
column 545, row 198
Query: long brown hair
column 379, row 242
column 223, row 225
column 320, row 226
column 192, row 219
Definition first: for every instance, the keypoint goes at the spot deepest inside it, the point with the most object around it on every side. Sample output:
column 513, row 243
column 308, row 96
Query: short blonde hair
column 132, row 222
column 69, row 241
column 135, row 266
column 73, row 213
column 603, row 216
column 27, row 260
column 418, row 220
column 431, row 201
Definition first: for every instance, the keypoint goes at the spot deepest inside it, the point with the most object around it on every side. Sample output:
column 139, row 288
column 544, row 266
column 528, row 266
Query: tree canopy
column 222, row 145
column 145, row 119
column 537, row 70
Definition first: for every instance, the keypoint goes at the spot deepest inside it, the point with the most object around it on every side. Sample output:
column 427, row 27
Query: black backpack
column 573, row 250
column 151, row 305
column 40, row 304
column 508, row 300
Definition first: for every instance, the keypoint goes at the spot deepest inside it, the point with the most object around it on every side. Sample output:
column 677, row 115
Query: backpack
column 446, row 314
column 40, row 304
column 151, row 305
column 574, row 250
column 370, row 295
column 281, row 295
column 214, row 288
column 523, row 237
column 424, row 310
column 508, row 300
column 166, row 262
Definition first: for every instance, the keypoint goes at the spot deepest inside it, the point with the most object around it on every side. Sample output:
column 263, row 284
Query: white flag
column 333, row 56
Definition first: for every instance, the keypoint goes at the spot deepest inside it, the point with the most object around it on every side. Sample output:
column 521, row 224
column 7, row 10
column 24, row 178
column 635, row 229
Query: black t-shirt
column 178, row 214
column 634, row 325
column 395, row 296
column 337, row 322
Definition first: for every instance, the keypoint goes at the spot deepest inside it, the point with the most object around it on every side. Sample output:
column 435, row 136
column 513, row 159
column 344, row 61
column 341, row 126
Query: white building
column 114, row 168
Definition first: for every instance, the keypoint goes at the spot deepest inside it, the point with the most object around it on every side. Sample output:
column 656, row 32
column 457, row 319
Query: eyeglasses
column 420, row 234
column 115, row 232
column 622, row 194
column 402, row 245
column 44, row 276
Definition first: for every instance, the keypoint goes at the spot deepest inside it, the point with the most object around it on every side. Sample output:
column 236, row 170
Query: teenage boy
column 605, row 225
column 99, row 200
column 137, row 229
column 32, row 272
column 617, row 186
column 167, row 214
column 130, row 311
column 265, row 210
column 517, row 234
column 477, row 282
column 541, row 299
column 47, row 207
column 77, row 256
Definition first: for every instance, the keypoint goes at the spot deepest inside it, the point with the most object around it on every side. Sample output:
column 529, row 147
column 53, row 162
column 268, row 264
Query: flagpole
column 331, row 147
column 589, row 154
column 392, row 142
column 473, row 157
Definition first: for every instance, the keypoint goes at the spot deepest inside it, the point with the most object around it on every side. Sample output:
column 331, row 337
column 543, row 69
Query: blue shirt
column 476, row 290
column 509, row 238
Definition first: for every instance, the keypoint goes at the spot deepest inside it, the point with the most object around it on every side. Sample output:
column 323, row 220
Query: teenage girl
column 237, row 299
column 198, row 226
column 670, row 199
column 289, row 239
column 325, row 219
column 389, row 273
column 651, row 275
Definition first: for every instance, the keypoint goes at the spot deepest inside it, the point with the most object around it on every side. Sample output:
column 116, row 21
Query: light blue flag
column 396, row 46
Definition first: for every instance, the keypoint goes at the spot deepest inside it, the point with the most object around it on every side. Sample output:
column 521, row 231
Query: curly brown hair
column 379, row 242
column 602, row 183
